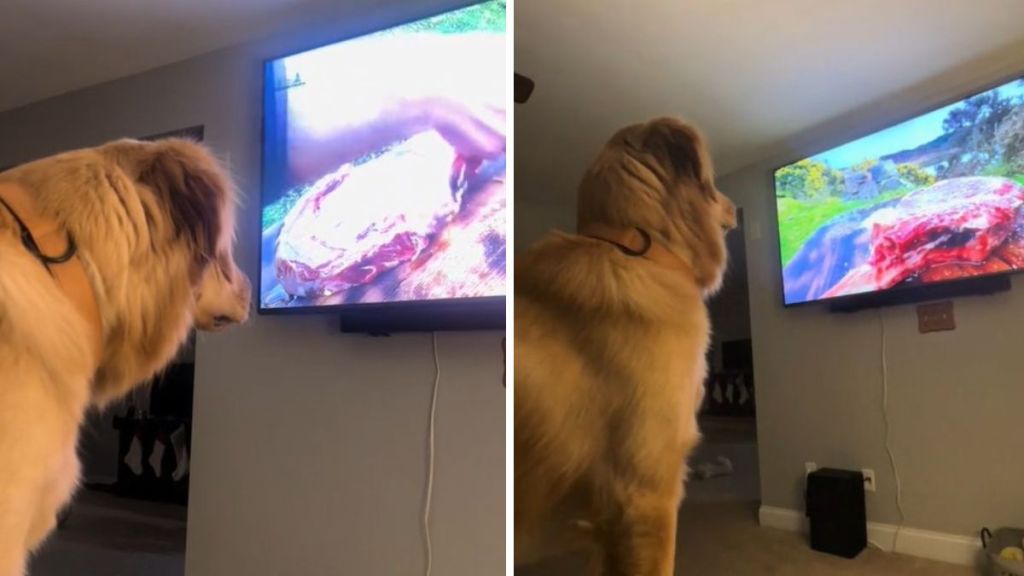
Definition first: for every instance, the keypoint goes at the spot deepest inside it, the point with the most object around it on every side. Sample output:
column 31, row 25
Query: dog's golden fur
column 610, row 356
column 154, row 225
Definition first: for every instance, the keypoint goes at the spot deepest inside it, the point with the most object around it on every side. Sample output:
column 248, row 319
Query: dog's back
column 108, row 255
column 605, row 344
column 610, row 338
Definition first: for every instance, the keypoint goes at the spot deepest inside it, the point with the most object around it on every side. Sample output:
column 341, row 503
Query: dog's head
column 658, row 176
column 189, row 185
column 154, row 223
column 200, row 199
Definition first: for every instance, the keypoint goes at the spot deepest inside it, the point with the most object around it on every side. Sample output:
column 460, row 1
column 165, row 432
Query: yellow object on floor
column 1012, row 553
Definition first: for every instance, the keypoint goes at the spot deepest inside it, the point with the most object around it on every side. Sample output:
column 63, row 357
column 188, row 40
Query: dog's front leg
column 639, row 510
column 17, row 502
column 38, row 466
column 640, row 540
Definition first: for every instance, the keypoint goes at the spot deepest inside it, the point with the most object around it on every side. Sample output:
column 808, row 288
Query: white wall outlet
column 869, row 479
column 810, row 467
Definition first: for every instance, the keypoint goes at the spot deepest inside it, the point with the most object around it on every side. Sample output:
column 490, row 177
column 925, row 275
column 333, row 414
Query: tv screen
column 384, row 167
column 934, row 199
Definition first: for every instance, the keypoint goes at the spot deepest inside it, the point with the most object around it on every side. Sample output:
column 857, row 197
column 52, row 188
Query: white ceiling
column 48, row 47
column 750, row 73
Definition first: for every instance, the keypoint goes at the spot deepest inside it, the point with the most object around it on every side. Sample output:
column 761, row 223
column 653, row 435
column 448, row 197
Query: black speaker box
column 835, row 506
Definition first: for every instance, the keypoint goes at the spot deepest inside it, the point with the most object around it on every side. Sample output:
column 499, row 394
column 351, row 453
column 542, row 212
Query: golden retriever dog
column 109, row 256
column 611, row 331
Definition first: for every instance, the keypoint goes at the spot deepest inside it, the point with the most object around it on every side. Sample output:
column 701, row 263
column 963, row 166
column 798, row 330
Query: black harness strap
column 30, row 243
column 626, row 249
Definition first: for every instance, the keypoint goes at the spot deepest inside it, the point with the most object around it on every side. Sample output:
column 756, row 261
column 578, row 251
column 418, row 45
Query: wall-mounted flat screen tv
column 932, row 200
column 384, row 169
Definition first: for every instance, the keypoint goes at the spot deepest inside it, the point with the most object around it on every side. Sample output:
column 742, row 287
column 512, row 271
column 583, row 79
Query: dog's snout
column 224, row 320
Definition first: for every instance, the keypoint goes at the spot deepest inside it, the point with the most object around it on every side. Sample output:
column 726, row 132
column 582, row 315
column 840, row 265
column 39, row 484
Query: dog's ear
column 680, row 146
column 190, row 183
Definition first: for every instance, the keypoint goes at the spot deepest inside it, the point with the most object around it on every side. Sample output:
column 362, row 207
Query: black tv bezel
column 900, row 294
column 471, row 313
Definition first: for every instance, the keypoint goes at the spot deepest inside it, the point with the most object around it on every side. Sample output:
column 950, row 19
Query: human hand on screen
column 320, row 144
column 387, row 96
column 474, row 131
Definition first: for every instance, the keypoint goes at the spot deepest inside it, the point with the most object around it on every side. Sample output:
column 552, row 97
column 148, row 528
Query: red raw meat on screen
column 961, row 220
column 364, row 220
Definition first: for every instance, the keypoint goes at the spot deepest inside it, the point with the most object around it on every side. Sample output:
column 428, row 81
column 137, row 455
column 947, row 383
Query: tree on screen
column 485, row 17
column 973, row 126
column 1010, row 138
column 808, row 180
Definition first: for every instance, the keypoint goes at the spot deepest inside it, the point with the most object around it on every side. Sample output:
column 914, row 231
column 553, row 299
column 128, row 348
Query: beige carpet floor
column 724, row 539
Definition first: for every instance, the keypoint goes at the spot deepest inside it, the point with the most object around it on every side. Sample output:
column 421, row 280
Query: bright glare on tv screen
column 384, row 166
column 935, row 199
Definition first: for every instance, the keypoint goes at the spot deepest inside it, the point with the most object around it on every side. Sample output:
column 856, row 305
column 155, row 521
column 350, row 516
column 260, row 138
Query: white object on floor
column 722, row 466
column 156, row 458
column 133, row 459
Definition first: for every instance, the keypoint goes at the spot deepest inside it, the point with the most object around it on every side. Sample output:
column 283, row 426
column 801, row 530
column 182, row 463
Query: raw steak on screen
column 363, row 220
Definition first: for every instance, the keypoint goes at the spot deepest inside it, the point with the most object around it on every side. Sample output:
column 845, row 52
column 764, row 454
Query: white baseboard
column 954, row 548
column 782, row 518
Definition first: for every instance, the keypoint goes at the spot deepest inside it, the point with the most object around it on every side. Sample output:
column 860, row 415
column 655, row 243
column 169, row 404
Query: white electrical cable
column 430, row 466
column 888, row 446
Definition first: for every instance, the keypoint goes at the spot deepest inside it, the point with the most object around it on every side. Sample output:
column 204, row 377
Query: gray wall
column 310, row 446
column 533, row 220
column 955, row 398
